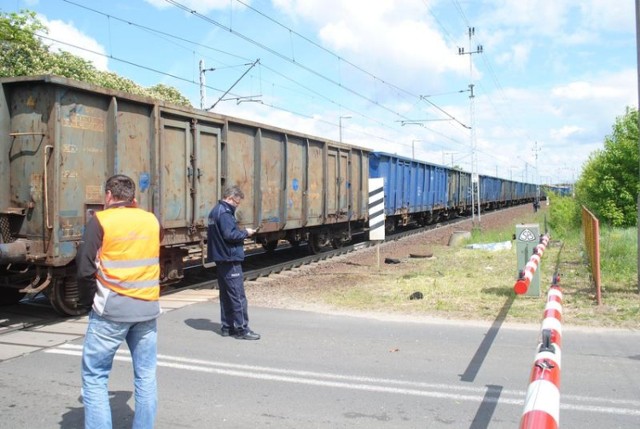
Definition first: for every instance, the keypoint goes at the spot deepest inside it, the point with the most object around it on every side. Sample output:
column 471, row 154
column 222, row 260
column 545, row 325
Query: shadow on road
column 488, row 406
column 471, row 372
column 121, row 412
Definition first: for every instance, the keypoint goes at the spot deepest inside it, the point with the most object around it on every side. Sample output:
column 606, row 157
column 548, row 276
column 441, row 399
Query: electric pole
column 475, row 179
column 202, row 83
column 201, row 67
column 638, row 77
column 536, row 149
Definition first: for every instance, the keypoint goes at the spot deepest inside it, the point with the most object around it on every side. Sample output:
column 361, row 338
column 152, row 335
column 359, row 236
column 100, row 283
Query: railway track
column 34, row 325
column 37, row 314
column 263, row 264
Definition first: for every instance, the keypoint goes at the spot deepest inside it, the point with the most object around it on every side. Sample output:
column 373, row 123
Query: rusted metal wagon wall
column 459, row 191
column 60, row 140
column 295, row 186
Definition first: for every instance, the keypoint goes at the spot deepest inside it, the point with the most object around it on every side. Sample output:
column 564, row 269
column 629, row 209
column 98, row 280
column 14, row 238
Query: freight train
column 61, row 139
column 423, row 193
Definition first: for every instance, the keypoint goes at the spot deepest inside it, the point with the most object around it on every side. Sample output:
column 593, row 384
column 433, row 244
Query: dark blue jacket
column 225, row 241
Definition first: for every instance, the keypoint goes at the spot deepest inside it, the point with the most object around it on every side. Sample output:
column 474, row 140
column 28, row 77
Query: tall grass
column 506, row 233
column 564, row 216
column 461, row 283
column 619, row 254
column 618, row 246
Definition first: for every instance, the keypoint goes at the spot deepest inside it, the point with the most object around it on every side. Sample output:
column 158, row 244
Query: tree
column 22, row 53
column 168, row 93
column 609, row 183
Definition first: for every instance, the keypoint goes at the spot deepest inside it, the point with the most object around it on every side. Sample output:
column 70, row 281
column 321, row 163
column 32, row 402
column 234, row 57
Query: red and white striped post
column 522, row 284
column 542, row 404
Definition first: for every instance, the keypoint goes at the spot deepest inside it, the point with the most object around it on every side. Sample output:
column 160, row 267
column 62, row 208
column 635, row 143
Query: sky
column 528, row 89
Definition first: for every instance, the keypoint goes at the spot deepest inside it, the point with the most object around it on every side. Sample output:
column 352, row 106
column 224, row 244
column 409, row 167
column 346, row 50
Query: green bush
column 564, row 215
column 22, row 53
column 608, row 185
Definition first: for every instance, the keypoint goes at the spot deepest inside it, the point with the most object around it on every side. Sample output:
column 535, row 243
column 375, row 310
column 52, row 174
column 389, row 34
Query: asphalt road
column 314, row 370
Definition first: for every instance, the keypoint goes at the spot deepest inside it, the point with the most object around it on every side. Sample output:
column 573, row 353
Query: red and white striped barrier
column 522, row 284
column 542, row 405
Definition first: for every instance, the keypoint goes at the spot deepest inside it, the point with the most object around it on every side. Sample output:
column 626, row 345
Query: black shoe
column 247, row 335
column 225, row 332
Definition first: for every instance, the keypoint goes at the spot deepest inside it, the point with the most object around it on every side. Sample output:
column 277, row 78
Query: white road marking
column 371, row 384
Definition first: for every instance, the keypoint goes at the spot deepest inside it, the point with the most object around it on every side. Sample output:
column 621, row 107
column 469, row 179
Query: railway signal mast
column 475, row 191
column 537, row 149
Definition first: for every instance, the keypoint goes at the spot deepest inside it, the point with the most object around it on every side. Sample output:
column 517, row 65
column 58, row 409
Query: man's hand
column 250, row 232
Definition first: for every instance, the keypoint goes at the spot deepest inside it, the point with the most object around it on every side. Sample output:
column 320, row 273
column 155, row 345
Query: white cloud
column 566, row 132
column 396, row 40
column 553, row 72
column 541, row 17
column 160, row 4
column 575, row 91
column 340, row 36
column 201, row 6
column 520, row 55
column 73, row 40
column 602, row 88
column 568, row 107
column 607, row 15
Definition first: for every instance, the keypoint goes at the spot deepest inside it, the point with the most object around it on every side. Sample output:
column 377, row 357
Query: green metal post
column 527, row 238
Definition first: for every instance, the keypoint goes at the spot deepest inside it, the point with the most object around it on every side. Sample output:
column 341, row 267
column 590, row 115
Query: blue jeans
column 101, row 342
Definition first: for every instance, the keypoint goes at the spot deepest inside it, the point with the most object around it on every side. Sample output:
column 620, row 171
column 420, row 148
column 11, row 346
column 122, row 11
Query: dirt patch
column 306, row 288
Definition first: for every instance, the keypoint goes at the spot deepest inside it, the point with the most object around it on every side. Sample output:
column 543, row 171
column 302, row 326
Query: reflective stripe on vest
column 128, row 261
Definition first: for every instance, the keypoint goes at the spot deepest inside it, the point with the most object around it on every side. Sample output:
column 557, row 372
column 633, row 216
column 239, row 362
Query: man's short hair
column 233, row 191
column 122, row 187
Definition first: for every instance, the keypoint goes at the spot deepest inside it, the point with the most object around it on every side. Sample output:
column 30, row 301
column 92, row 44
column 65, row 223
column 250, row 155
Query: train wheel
column 390, row 226
column 270, row 246
column 314, row 244
column 63, row 295
column 336, row 243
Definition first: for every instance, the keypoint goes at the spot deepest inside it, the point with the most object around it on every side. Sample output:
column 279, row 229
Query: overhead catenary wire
column 270, row 105
column 170, row 35
column 365, row 115
column 164, row 33
column 323, row 95
column 312, row 71
column 307, row 88
column 283, row 57
column 340, row 58
column 490, row 70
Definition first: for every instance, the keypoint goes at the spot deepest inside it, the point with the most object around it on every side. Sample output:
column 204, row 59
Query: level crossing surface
column 315, row 370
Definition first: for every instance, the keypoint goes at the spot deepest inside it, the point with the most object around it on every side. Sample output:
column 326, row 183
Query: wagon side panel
column 175, row 172
column 316, row 183
column 296, row 182
column 243, row 170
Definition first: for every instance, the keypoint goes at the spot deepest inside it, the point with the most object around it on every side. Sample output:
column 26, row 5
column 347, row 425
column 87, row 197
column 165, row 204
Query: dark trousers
column 233, row 301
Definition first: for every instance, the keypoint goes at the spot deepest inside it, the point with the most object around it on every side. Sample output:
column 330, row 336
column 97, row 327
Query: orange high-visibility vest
column 128, row 261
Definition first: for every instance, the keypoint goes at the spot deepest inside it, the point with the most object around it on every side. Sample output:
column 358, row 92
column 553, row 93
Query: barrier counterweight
column 522, row 284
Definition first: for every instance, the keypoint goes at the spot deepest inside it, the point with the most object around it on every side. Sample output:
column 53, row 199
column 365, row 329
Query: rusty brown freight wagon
column 61, row 139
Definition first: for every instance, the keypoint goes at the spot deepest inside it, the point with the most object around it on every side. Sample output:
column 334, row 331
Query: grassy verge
column 462, row 283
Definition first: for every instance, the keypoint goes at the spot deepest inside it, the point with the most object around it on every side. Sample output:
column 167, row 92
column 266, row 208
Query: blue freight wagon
column 414, row 191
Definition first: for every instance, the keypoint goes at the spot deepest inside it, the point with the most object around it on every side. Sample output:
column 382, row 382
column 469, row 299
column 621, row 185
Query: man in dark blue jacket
column 225, row 246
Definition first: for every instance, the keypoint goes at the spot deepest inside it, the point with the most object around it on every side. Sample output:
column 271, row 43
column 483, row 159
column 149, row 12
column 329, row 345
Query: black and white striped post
column 376, row 212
